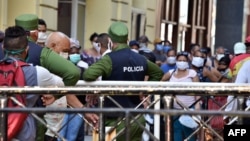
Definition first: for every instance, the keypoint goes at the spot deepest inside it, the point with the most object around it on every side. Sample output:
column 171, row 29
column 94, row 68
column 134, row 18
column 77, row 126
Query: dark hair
column 149, row 55
column 171, row 49
column 103, row 39
column 15, row 38
column 193, row 45
column 42, row 22
column 182, row 53
column 225, row 60
column 93, row 36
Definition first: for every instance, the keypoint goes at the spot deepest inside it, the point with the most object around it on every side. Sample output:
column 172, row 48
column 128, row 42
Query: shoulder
column 192, row 73
column 45, row 78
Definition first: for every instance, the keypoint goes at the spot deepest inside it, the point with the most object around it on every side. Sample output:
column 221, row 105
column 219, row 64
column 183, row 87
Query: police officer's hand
column 93, row 119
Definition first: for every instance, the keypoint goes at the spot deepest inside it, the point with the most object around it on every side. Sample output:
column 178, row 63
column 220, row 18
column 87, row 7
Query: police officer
column 122, row 64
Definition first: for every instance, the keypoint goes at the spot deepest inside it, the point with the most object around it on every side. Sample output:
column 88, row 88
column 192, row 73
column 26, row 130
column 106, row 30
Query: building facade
column 81, row 18
column 182, row 22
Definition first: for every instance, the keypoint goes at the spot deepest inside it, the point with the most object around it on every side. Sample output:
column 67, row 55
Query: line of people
column 113, row 57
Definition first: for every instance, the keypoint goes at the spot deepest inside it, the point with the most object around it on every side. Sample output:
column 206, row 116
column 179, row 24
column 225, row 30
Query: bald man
column 60, row 43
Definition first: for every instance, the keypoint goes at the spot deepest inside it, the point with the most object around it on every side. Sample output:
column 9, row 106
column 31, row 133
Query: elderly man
column 122, row 64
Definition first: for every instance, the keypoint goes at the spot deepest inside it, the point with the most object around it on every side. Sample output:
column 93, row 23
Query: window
column 138, row 23
column 71, row 18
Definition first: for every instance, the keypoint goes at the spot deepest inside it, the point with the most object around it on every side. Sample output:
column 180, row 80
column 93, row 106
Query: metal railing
column 158, row 89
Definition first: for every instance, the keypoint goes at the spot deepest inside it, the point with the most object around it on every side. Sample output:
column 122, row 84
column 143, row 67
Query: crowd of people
column 61, row 61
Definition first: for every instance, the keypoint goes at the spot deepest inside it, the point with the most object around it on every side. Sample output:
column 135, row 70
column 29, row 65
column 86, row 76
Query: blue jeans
column 181, row 132
column 72, row 123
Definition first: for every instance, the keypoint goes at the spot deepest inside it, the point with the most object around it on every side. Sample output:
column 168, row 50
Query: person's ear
column 34, row 35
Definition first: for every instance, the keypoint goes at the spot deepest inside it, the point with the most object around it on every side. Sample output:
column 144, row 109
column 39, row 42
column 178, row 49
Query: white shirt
column 242, row 77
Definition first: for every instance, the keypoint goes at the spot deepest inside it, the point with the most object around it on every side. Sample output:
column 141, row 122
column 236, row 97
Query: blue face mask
column 74, row 58
column 166, row 48
column 159, row 47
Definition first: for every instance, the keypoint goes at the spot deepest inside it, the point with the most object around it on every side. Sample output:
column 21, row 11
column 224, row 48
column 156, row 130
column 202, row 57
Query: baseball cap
column 118, row 32
column 27, row 21
column 144, row 39
column 157, row 41
column 239, row 48
column 133, row 42
column 74, row 43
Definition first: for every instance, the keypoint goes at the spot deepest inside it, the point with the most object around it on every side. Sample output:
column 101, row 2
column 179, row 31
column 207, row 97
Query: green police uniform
column 47, row 58
column 106, row 67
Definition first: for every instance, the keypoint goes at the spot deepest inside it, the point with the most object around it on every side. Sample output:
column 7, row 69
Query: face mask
column 159, row 47
column 198, row 61
column 171, row 60
column 42, row 36
column 96, row 46
column 182, row 65
column 166, row 48
column 219, row 56
column 135, row 50
column 64, row 54
column 110, row 45
column 142, row 45
column 74, row 58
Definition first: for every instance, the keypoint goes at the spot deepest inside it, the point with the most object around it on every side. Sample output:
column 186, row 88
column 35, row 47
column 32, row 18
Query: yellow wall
column 10, row 9
column 99, row 14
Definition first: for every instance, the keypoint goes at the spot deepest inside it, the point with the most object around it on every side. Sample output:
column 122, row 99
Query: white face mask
column 182, row 65
column 64, row 54
column 171, row 60
column 96, row 46
column 219, row 56
column 198, row 61
column 42, row 36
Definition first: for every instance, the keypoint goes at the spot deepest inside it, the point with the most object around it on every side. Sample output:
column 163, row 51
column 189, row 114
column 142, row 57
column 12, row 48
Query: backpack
column 11, row 74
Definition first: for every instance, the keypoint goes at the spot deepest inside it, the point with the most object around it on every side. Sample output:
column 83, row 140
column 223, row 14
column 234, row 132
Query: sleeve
column 154, row 72
column 60, row 66
column 45, row 78
column 192, row 73
column 242, row 75
column 103, row 67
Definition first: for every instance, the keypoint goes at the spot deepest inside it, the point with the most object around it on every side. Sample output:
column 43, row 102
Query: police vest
column 126, row 66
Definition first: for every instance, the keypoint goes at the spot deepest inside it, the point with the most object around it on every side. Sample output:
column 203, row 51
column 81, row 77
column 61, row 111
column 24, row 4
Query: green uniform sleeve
column 154, row 72
column 103, row 67
column 60, row 66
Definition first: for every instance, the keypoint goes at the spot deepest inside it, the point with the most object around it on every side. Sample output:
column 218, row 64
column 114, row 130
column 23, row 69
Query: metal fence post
column 157, row 118
column 101, row 120
column 3, row 119
column 168, row 102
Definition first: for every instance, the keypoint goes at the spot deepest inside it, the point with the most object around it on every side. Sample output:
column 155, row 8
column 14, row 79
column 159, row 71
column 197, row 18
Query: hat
column 144, row 39
column 134, row 43
column 239, row 48
column 74, row 43
column 157, row 41
column 118, row 32
column 27, row 21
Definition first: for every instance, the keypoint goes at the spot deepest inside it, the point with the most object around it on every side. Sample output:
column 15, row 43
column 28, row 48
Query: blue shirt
column 166, row 67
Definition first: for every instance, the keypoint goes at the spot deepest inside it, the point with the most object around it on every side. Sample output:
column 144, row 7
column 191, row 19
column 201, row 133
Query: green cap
column 118, row 32
column 27, row 21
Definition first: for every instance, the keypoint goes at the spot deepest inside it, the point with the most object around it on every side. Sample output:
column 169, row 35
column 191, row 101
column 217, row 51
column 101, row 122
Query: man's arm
column 60, row 66
column 103, row 67
column 154, row 72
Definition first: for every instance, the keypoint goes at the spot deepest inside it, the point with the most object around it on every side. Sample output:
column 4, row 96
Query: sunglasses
column 184, row 53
